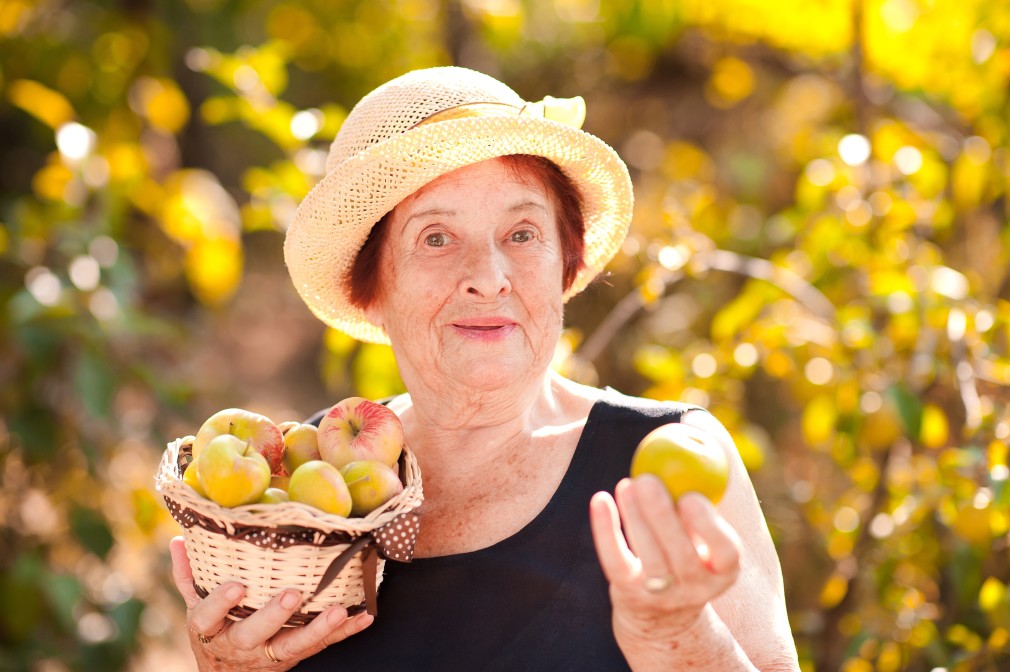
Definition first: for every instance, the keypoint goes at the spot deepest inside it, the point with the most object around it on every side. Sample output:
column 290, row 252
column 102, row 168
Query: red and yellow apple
column 685, row 459
column 359, row 429
column 319, row 484
column 258, row 430
column 232, row 472
column 371, row 484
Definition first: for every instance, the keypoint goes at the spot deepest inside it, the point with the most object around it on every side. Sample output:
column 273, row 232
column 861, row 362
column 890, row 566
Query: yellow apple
column 685, row 459
column 319, row 484
column 371, row 484
column 300, row 445
column 232, row 472
column 191, row 478
column 259, row 430
column 359, row 429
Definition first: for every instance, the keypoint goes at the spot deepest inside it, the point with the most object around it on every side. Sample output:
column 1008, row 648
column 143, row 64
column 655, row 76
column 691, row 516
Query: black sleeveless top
column 535, row 601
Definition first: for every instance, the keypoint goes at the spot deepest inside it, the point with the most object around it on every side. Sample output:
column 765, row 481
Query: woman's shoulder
column 617, row 403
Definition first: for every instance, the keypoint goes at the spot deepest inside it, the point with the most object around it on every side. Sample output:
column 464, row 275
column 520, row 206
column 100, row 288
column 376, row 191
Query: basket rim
column 168, row 481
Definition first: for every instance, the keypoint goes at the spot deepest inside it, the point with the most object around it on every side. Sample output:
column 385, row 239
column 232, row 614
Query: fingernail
column 290, row 599
column 233, row 592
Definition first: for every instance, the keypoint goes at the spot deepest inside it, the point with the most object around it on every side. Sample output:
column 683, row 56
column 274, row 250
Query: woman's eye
column 436, row 240
column 523, row 236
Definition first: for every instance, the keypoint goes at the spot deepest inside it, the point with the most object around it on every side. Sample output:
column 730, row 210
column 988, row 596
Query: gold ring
column 204, row 639
column 655, row 584
column 269, row 650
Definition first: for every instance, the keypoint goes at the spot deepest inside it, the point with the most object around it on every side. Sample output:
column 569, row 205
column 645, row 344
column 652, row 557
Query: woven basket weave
column 271, row 547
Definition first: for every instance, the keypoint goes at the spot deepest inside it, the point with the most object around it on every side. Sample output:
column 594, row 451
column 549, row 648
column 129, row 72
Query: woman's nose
column 485, row 274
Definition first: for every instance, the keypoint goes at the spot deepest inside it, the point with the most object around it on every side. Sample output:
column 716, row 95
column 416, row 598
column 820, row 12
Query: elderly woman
column 454, row 222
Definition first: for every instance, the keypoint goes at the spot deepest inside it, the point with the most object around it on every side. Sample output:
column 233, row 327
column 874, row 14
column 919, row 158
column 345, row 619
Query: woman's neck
column 480, row 425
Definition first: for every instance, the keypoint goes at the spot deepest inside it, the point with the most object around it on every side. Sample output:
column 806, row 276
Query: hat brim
column 333, row 221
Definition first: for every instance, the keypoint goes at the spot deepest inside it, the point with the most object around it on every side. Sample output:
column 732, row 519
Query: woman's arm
column 220, row 644
column 724, row 608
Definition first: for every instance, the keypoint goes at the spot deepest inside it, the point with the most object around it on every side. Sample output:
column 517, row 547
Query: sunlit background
column 820, row 254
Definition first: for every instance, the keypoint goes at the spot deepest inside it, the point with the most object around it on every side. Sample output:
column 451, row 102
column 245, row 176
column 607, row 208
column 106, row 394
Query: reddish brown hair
column 363, row 278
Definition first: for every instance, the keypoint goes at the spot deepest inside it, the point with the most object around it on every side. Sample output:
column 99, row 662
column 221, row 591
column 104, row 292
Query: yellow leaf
column 750, row 445
column 934, row 430
column 890, row 658
column 48, row 106
column 992, row 593
column 972, row 525
column 731, row 81
column 214, row 269
column 834, row 590
column 375, row 372
column 819, row 420
column 164, row 105
column 50, row 183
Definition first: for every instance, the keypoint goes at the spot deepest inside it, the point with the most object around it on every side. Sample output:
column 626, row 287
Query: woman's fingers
column 265, row 622
column 721, row 541
column 616, row 558
column 640, row 538
column 182, row 573
column 330, row 627
column 210, row 615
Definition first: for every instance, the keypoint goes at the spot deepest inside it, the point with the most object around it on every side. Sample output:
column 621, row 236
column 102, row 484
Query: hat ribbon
column 568, row 111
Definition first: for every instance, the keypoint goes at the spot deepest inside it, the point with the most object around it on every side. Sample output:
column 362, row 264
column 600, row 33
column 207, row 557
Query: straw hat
column 417, row 127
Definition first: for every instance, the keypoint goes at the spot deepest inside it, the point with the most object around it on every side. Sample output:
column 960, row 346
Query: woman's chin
column 492, row 374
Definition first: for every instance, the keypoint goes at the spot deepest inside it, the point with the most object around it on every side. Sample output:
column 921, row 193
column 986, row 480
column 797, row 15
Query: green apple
column 358, row 429
column 274, row 496
column 258, row 430
column 232, row 472
column 371, row 484
column 300, row 446
column 685, row 459
column 319, row 484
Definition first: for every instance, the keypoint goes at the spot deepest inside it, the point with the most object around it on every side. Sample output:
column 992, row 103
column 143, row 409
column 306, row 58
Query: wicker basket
column 271, row 547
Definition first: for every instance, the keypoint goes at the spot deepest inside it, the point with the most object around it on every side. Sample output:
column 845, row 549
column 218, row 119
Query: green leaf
column 95, row 383
column 909, row 409
column 63, row 593
column 91, row 530
column 19, row 599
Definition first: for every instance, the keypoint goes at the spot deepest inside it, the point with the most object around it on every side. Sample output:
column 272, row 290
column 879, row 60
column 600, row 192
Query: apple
column 301, row 444
column 191, row 477
column 371, row 484
column 319, row 484
column 274, row 496
column 279, row 482
column 232, row 472
column 685, row 459
column 260, row 431
column 359, row 429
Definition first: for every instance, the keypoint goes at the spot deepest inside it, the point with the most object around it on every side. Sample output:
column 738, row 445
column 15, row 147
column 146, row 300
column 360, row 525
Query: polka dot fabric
column 271, row 547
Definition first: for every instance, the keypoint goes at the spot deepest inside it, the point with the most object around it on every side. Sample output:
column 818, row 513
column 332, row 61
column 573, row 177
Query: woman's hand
column 667, row 566
column 259, row 642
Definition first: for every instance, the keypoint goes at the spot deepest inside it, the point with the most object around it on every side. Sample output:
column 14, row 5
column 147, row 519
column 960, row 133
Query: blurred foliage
column 820, row 255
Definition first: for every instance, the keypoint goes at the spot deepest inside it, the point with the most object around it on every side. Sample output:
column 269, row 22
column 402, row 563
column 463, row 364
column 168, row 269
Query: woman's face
column 471, row 281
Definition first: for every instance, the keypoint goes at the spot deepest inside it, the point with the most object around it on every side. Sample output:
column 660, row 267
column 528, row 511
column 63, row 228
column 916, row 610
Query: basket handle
column 369, row 567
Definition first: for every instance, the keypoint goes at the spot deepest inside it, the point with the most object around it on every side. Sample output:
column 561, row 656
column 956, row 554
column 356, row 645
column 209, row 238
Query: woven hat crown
column 398, row 105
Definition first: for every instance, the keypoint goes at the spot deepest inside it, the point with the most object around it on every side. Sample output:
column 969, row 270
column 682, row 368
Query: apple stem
column 359, row 479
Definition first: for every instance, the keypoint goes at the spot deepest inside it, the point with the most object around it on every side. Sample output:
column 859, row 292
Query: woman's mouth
column 484, row 327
